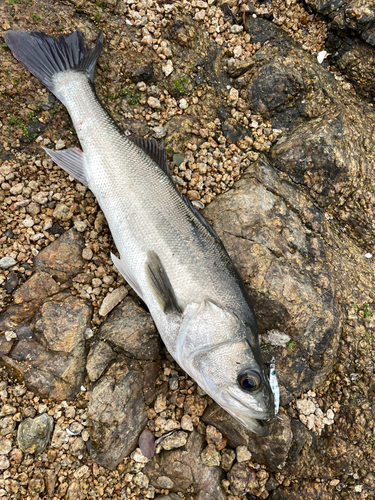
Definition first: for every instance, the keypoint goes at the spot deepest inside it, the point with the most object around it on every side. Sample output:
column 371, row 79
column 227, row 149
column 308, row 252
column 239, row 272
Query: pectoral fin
column 160, row 285
column 124, row 270
column 71, row 160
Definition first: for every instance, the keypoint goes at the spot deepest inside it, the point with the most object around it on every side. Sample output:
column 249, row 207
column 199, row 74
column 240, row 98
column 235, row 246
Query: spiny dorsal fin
column 201, row 219
column 155, row 152
column 160, row 285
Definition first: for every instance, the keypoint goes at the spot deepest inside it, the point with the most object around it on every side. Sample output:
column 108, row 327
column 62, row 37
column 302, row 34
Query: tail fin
column 45, row 56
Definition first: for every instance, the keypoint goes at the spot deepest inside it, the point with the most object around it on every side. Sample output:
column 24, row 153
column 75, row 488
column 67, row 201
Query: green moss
column 372, row 188
column 11, row 2
column 291, row 344
column 179, row 84
column 97, row 16
column 4, row 46
column 14, row 121
column 36, row 17
column 132, row 96
column 31, row 117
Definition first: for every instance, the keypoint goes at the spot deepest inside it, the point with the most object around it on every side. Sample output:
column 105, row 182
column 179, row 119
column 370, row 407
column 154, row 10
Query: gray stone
column 34, row 433
column 116, row 414
column 7, row 262
column 131, row 328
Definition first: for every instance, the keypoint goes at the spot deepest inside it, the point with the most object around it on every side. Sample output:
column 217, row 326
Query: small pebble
column 242, row 454
column 60, row 144
column 165, row 482
column 176, row 440
column 187, row 423
column 112, row 299
column 210, row 456
column 7, row 262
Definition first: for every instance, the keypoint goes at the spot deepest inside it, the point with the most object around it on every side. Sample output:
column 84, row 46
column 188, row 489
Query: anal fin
column 160, row 285
column 71, row 160
column 124, row 270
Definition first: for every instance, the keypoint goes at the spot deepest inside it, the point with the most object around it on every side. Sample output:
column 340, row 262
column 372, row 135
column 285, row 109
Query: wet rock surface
column 351, row 41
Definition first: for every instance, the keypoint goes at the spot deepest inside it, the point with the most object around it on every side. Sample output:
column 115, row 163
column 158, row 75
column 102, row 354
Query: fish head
column 221, row 352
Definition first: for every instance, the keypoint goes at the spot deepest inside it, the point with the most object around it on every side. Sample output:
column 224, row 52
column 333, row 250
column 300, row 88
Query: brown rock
column 271, row 450
column 265, row 226
column 53, row 362
column 63, row 258
column 131, row 328
column 98, row 359
column 50, row 481
column 74, row 492
column 185, row 468
column 150, row 373
column 26, row 300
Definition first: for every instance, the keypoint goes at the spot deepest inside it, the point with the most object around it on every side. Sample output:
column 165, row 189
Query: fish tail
column 45, row 56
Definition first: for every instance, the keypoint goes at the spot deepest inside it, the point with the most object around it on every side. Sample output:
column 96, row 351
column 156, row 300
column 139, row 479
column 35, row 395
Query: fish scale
column 168, row 253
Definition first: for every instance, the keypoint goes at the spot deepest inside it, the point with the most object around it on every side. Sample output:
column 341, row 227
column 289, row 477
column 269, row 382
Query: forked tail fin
column 45, row 56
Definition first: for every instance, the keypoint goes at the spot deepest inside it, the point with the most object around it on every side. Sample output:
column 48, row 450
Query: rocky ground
column 266, row 110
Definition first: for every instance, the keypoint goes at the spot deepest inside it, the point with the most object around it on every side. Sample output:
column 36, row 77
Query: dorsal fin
column 155, row 152
column 201, row 219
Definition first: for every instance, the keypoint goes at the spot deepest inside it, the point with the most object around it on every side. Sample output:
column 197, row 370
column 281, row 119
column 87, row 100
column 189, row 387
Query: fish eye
column 249, row 380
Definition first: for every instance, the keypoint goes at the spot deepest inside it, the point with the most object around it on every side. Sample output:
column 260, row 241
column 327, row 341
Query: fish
column 168, row 253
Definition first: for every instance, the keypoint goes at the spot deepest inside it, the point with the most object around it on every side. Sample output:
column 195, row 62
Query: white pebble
column 9, row 335
column 368, row 255
column 321, row 56
column 305, row 406
column 60, row 144
column 167, row 68
column 183, row 104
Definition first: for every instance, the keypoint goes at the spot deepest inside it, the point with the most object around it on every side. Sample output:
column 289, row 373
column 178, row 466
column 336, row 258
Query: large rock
column 26, row 300
column 186, row 470
column 51, row 357
column 271, row 450
column 116, row 414
column 327, row 145
column 63, row 258
column 272, row 231
column 130, row 328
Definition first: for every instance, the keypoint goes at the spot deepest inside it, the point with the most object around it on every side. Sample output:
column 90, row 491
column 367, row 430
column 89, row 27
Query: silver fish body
column 168, row 253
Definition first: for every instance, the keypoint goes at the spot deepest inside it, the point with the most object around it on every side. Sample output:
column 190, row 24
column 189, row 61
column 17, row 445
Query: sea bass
column 169, row 253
